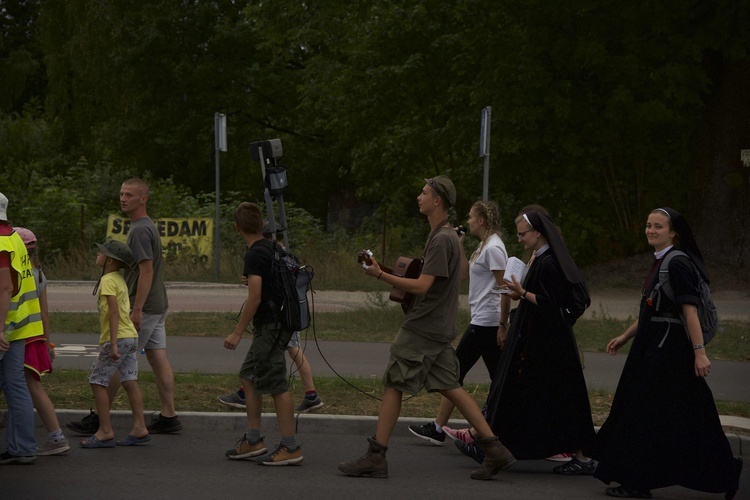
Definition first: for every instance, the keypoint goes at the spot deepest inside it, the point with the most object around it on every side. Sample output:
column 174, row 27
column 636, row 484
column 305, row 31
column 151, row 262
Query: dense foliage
column 601, row 110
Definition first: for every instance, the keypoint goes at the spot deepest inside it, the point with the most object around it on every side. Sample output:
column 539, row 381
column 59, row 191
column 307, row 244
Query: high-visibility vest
column 24, row 318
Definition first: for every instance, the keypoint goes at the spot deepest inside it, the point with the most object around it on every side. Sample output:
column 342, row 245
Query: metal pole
column 485, row 150
column 220, row 145
column 267, row 195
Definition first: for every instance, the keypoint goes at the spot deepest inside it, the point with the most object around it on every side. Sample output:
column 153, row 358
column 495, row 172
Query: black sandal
column 623, row 492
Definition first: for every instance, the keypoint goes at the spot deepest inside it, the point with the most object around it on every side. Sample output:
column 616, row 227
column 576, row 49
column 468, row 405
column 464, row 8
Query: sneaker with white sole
column 52, row 447
column 471, row 450
column 428, row 432
column 459, row 434
column 245, row 449
column 234, row 400
column 576, row 468
column 308, row 404
column 282, row 456
column 7, row 459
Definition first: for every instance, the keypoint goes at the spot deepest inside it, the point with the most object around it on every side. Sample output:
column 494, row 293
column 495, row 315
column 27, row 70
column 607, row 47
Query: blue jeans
column 20, row 431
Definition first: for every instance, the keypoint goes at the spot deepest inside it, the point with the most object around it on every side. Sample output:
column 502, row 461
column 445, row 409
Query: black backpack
column 578, row 301
column 288, row 287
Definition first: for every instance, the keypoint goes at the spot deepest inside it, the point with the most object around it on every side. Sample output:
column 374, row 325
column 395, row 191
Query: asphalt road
column 191, row 465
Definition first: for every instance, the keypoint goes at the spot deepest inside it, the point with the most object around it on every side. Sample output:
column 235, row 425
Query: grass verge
column 69, row 389
column 380, row 324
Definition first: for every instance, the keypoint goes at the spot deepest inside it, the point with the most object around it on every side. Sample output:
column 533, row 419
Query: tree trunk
column 722, row 219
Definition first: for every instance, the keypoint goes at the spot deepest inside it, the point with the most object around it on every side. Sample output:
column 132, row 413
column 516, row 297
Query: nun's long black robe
column 538, row 403
column 663, row 428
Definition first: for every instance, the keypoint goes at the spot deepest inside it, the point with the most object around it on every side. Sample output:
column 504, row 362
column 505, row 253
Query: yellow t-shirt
column 114, row 284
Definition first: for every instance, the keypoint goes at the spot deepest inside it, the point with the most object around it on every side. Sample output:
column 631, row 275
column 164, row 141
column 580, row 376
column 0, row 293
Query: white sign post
column 220, row 141
column 745, row 157
column 484, row 149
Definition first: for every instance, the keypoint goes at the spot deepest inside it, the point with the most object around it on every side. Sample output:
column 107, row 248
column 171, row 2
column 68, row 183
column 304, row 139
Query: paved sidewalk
column 615, row 303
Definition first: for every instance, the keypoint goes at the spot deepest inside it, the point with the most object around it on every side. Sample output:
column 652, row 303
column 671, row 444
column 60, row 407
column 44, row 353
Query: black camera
column 272, row 150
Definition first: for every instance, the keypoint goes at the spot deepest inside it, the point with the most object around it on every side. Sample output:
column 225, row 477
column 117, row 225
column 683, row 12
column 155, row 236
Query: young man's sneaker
column 87, row 425
column 53, row 447
column 235, row 400
column 428, row 432
column 164, row 425
column 245, row 449
column 7, row 459
column 282, row 456
column 459, row 434
column 308, row 404
column 576, row 468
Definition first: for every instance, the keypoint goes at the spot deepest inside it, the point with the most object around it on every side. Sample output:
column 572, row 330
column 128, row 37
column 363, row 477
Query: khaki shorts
column 265, row 365
column 418, row 362
column 152, row 334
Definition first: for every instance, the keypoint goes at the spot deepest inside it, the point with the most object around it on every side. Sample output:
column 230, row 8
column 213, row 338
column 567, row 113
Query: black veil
column 544, row 225
column 686, row 241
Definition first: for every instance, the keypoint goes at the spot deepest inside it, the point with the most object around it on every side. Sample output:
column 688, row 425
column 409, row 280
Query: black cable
column 317, row 345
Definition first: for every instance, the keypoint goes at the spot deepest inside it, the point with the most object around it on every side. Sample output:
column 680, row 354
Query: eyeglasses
column 520, row 235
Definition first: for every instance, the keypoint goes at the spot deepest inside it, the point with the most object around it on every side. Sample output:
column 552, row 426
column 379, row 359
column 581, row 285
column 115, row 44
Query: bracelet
column 698, row 346
column 504, row 324
column 523, row 295
column 381, row 274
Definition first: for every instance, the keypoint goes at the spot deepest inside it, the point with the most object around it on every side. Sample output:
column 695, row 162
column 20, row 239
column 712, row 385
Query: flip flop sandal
column 95, row 442
column 132, row 440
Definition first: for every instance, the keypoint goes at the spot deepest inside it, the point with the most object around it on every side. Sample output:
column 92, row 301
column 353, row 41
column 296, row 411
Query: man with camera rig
column 421, row 354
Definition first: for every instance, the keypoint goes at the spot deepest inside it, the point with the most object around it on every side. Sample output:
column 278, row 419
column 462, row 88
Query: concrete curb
column 308, row 423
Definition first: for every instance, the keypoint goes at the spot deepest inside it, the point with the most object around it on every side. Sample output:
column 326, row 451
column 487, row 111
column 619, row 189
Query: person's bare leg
column 284, row 413
column 253, row 405
column 469, row 409
column 164, row 378
column 135, row 398
column 105, row 432
column 444, row 412
column 42, row 402
column 390, row 409
column 303, row 367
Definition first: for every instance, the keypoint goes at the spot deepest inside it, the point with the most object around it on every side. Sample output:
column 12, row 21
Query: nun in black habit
column 663, row 428
column 538, row 402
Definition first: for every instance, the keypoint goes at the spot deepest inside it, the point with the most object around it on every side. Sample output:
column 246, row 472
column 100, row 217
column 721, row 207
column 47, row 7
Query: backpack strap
column 665, row 287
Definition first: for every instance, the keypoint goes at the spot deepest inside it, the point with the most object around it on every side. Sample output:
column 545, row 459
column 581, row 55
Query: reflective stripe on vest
column 24, row 318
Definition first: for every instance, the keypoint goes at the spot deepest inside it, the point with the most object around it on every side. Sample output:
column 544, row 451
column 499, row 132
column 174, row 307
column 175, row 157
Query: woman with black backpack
column 663, row 428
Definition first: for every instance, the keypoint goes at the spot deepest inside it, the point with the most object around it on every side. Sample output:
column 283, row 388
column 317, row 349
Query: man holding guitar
column 421, row 354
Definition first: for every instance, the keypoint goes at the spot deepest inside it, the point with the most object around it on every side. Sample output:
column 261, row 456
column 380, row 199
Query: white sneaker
column 53, row 447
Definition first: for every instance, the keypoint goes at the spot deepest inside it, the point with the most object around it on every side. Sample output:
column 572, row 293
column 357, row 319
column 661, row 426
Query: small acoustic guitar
column 405, row 268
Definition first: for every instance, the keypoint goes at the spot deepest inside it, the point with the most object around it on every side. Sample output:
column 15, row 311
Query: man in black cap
column 421, row 354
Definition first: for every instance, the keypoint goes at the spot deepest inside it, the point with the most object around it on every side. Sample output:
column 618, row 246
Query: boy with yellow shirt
column 118, row 346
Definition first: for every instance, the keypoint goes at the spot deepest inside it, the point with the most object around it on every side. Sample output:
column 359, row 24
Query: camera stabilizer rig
column 269, row 154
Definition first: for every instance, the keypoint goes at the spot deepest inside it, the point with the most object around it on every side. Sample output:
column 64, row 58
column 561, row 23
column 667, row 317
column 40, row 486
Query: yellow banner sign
column 194, row 235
